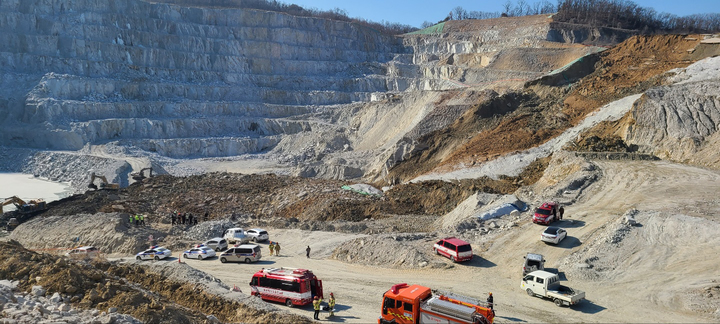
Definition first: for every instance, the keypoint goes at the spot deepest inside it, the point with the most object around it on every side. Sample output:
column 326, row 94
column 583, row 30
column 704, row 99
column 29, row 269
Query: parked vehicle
column 217, row 243
column 547, row 285
column 154, row 253
column 418, row 304
column 546, row 213
column 455, row 249
column 258, row 234
column 553, row 235
column 286, row 285
column 243, row 253
column 83, row 253
column 236, row 236
column 533, row 262
column 199, row 253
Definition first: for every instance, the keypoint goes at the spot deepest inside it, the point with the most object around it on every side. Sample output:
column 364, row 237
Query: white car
column 153, row 253
column 83, row 252
column 258, row 234
column 200, row 253
column 553, row 234
column 218, row 243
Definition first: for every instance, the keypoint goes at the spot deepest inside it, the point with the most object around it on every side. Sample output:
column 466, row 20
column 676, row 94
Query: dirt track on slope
column 635, row 291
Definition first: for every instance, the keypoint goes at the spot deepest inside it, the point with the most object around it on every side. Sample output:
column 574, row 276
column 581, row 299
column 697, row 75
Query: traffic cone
column 179, row 258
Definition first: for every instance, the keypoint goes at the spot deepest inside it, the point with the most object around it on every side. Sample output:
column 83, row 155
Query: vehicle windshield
column 551, row 230
column 464, row 248
column 542, row 211
column 533, row 263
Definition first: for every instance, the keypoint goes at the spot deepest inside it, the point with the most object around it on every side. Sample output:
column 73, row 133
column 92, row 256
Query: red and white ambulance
column 286, row 285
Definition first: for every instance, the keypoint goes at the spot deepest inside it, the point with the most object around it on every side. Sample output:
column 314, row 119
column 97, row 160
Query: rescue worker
column 562, row 211
column 277, row 249
column 490, row 302
column 142, row 219
column 196, row 220
column 205, row 219
column 316, row 306
column 307, row 252
column 130, row 219
column 331, row 305
column 190, row 219
column 272, row 248
column 137, row 219
column 172, row 218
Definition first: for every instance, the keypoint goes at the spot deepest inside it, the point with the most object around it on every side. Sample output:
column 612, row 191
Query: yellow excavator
column 104, row 184
column 24, row 207
column 139, row 176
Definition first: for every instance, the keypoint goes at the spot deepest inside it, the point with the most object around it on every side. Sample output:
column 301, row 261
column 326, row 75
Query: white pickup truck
column 547, row 284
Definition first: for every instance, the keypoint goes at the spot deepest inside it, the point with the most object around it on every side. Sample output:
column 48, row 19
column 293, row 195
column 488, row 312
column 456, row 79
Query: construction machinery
column 139, row 176
column 415, row 304
column 104, row 184
column 24, row 207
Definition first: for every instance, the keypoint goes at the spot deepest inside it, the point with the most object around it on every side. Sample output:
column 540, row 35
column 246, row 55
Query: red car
column 546, row 214
column 455, row 249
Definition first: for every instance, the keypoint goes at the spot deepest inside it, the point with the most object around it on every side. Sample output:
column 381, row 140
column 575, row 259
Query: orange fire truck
column 404, row 304
column 286, row 285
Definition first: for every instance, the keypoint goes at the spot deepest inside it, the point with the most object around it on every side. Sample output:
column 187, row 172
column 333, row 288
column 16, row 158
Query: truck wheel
column 138, row 258
column 157, row 258
column 288, row 303
column 558, row 302
column 247, row 260
column 452, row 258
column 436, row 251
column 223, row 260
column 530, row 292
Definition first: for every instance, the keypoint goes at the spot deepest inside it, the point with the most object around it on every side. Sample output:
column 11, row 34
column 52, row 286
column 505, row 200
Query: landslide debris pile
column 150, row 295
column 225, row 195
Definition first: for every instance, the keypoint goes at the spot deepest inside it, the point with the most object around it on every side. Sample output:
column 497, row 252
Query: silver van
column 242, row 253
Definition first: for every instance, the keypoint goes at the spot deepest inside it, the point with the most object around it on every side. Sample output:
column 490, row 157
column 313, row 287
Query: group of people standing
column 185, row 218
column 274, row 248
column 138, row 219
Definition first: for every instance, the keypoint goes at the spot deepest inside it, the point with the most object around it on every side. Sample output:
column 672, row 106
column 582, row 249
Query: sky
column 415, row 12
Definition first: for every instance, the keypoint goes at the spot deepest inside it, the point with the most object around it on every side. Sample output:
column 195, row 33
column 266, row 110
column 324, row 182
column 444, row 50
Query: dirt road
column 632, row 288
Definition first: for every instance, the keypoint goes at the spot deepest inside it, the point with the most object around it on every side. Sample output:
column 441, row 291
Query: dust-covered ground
column 642, row 236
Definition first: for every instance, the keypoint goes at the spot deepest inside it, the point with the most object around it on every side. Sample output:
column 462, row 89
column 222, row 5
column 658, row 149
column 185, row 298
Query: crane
column 104, row 184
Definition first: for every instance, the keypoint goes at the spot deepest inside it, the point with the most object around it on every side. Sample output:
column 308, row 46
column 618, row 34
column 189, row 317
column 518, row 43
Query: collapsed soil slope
column 266, row 196
column 518, row 121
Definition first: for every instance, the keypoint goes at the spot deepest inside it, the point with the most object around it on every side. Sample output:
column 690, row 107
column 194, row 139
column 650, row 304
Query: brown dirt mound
column 267, row 196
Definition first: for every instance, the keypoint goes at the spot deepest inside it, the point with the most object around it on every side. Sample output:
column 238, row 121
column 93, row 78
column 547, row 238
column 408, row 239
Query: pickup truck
column 546, row 284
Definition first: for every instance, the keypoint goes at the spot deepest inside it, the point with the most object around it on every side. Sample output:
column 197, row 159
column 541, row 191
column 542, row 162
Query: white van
column 236, row 236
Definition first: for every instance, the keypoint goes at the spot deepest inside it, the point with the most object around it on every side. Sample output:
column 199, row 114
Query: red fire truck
column 286, row 285
column 415, row 304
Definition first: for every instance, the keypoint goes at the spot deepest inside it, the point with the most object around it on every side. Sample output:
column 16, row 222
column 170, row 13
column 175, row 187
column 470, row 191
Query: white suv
column 257, row 234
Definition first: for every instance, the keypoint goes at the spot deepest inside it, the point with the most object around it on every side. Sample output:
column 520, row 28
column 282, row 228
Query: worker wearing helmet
column 490, row 301
column 331, row 305
column 316, row 306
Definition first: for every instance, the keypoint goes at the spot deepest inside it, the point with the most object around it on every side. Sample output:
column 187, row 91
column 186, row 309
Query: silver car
column 217, row 243
column 242, row 253
column 258, row 234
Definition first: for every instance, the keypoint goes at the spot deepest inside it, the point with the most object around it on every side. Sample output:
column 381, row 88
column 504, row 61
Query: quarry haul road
column 639, row 295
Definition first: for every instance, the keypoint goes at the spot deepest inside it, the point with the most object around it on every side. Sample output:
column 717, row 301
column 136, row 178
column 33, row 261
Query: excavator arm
column 12, row 200
column 104, row 184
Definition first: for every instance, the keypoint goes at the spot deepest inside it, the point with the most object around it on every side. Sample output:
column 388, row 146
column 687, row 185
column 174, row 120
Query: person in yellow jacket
column 277, row 248
column 331, row 305
column 316, row 306
column 272, row 248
